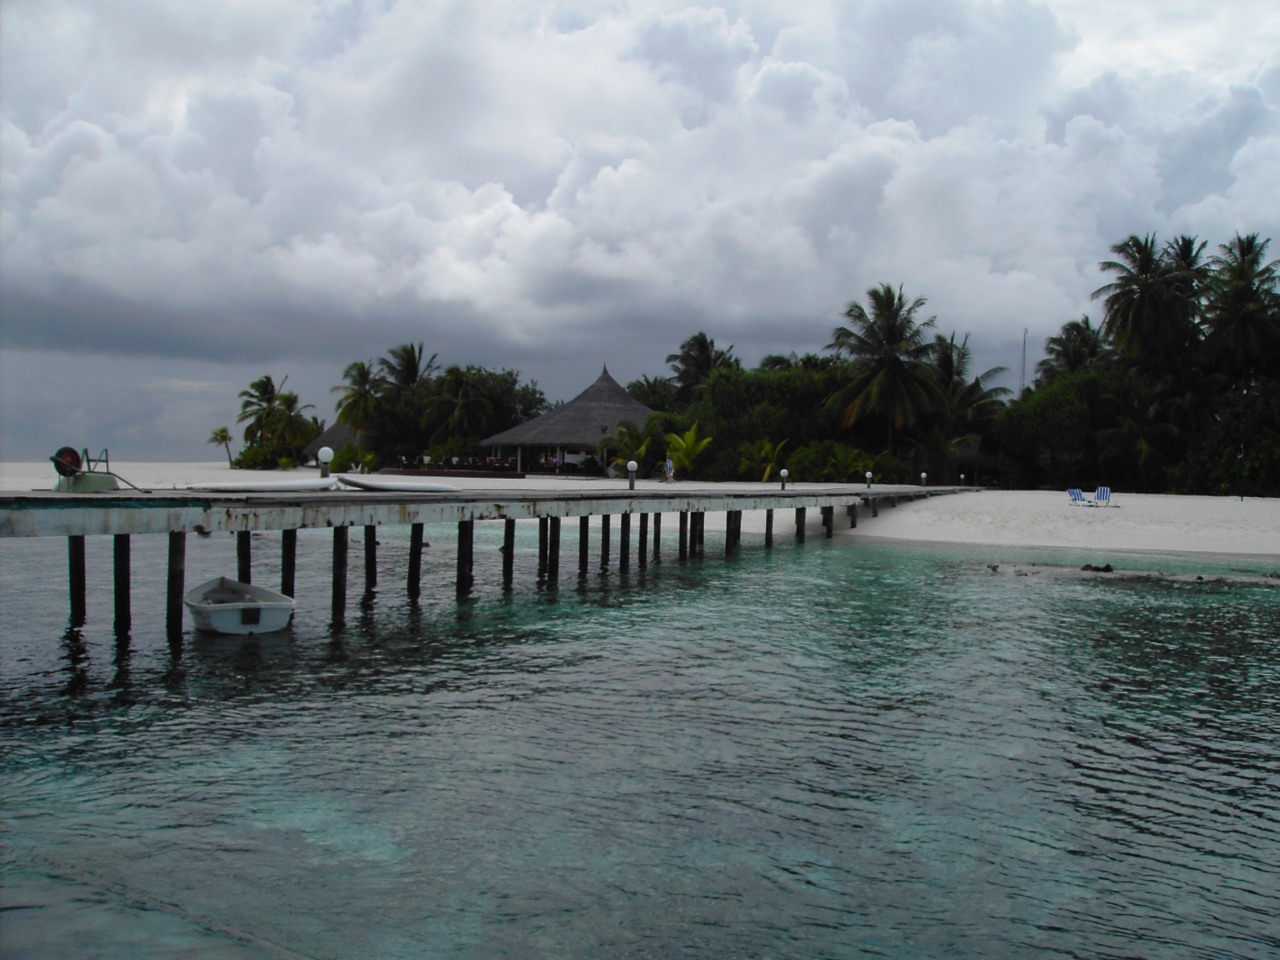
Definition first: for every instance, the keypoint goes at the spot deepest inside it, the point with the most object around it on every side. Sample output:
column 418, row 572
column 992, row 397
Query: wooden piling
column 732, row 529
column 508, row 552
column 553, row 554
column 339, row 602
column 829, row 521
column 174, row 583
column 123, row 619
column 584, row 541
column 624, row 543
column 466, row 555
column 415, row 562
column 370, row 559
column 543, row 532
column 605, row 523
column 800, row 524
column 288, row 561
column 244, row 557
column 76, row 579
column 684, row 535
column 643, row 557
column 768, row 529
column 657, row 538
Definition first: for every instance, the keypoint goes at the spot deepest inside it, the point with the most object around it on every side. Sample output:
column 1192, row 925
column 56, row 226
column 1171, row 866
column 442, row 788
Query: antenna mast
column 1022, row 376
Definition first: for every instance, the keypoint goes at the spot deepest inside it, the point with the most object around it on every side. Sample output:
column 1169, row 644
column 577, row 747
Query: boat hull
column 229, row 607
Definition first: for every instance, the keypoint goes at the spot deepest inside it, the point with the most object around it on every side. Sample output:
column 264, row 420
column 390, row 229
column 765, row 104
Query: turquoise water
column 836, row 750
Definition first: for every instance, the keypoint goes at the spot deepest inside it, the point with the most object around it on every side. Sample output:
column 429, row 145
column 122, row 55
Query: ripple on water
column 882, row 751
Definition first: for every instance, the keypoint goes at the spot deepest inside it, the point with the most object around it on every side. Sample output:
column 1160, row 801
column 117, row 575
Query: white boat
column 396, row 484
column 229, row 606
column 266, row 486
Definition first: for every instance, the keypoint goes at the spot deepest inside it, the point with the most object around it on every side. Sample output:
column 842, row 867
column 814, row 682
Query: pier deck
column 175, row 513
column 48, row 514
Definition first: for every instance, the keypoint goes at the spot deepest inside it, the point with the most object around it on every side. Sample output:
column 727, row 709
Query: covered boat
column 229, row 606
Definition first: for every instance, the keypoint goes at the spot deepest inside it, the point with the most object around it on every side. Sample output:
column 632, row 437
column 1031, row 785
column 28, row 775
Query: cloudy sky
column 198, row 192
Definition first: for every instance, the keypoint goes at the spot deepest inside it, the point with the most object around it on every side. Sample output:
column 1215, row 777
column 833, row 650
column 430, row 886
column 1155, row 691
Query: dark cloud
column 193, row 196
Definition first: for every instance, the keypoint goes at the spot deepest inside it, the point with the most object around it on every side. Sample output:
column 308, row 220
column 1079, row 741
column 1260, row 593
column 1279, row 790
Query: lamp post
column 632, row 467
column 868, row 479
column 924, row 479
column 783, row 474
column 962, row 479
column 325, row 456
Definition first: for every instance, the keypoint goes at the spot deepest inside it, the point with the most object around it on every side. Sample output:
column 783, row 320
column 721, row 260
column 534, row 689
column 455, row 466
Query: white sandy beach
column 1137, row 522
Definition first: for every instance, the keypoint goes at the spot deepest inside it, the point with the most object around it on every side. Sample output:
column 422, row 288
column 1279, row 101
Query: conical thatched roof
column 336, row 437
column 584, row 421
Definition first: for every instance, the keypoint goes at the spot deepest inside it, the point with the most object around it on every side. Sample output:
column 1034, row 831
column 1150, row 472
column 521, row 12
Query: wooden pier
column 176, row 513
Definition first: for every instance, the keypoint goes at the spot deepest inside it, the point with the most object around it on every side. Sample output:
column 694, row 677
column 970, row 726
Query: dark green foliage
column 277, row 428
column 1178, row 389
column 348, row 460
column 656, row 393
column 1185, row 369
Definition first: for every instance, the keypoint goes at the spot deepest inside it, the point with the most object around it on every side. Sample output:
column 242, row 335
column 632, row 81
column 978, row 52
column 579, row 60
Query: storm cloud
column 196, row 194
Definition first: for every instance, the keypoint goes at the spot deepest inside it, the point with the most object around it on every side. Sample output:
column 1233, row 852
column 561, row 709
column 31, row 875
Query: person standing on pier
column 669, row 469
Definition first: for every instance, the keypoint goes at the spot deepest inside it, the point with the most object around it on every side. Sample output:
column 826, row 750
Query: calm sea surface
column 835, row 750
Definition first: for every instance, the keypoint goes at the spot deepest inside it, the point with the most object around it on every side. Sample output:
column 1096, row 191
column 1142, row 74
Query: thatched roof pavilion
column 580, row 424
column 336, row 437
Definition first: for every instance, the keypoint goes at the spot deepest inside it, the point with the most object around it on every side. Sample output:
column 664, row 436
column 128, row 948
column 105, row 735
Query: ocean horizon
column 838, row 749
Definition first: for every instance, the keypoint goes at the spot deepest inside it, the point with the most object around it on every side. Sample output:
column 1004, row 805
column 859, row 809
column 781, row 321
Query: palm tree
column 629, row 443
column 1079, row 345
column 359, row 395
column 698, row 358
column 221, row 437
column 971, row 404
column 847, row 463
column 684, row 448
column 290, row 429
column 258, row 406
column 888, row 369
column 460, row 407
column 759, row 458
column 656, row 393
column 1188, row 275
column 793, row 361
column 1152, row 304
column 1242, row 309
column 404, row 368
column 1140, row 433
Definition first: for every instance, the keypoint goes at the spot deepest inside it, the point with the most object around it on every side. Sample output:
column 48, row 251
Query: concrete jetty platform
column 176, row 513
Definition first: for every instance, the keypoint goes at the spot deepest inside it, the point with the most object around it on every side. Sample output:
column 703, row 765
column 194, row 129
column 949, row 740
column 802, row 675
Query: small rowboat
column 229, row 606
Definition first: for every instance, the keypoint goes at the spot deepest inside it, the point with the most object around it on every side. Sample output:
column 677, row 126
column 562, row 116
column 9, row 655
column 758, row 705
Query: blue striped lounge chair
column 1077, row 497
column 1102, row 497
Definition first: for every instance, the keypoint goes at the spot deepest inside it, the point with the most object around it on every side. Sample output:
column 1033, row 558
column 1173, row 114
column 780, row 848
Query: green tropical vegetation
column 221, row 437
column 1175, row 389
column 276, row 426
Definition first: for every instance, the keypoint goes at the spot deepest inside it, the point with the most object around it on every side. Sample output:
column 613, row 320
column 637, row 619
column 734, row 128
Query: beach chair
column 1102, row 497
column 1077, row 497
